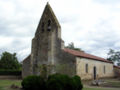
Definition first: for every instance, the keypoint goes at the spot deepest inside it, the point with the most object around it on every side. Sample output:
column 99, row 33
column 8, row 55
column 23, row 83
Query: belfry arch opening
column 49, row 25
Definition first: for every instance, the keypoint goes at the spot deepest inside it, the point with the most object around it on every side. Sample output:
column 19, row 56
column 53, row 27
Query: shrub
column 59, row 82
column 77, row 83
column 33, row 83
column 54, row 82
column 10, row 72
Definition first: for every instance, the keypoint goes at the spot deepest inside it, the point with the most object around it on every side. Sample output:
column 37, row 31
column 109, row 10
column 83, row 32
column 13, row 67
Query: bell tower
column 46, row 43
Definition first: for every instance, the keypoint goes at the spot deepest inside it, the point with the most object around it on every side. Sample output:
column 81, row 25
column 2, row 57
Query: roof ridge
column 85, row 55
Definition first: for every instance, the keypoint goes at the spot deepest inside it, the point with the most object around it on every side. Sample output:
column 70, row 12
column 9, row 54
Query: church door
column 94, row 72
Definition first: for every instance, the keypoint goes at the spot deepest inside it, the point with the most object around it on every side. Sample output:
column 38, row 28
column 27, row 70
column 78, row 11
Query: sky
column 93, row 25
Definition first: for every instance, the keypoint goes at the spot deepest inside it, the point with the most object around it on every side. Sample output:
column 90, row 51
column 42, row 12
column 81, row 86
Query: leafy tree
column 9, row 61
column 71, row 46
column 113, row 55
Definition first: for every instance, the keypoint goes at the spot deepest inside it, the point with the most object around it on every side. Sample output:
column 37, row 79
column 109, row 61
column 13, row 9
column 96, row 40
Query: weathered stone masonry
column 47, row 49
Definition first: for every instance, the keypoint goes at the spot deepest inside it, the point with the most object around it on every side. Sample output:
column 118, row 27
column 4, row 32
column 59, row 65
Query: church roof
column 85, row 55
column 116, row 66
column 48, row 8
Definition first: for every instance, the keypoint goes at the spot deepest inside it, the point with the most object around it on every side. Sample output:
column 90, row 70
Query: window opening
column 42, row 27
column 49, row 25
column 86, row 66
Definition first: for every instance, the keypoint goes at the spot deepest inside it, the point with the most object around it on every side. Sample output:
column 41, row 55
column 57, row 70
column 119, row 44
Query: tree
column 113, row 55
column 71, row 46
column 9, row 61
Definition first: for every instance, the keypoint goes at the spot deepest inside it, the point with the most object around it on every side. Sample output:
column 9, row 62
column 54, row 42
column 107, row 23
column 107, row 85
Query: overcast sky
column 93, row 25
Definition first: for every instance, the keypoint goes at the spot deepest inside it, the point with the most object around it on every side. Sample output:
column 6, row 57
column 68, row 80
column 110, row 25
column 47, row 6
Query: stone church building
column 49, row 56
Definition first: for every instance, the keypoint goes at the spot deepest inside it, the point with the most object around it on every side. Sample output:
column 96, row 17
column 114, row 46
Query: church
column 49, row 56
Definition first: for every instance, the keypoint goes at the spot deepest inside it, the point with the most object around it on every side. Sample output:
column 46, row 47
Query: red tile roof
column 117, row 67
column 85, row 55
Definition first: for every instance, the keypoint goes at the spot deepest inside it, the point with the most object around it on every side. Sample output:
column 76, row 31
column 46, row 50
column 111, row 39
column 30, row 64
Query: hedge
column 10, row 72
column 60, row 82
column 53, row 82
column 77, row 82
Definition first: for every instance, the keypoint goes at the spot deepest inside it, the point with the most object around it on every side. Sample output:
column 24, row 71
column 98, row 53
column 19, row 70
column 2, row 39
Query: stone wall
column 103, row 69
column 26, row 67
column 65, row 63
column 45, row 43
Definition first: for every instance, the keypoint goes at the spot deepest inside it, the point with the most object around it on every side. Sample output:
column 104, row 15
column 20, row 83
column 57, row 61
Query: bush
column 33, row 83
column 77, row 83
column 59, row 82
column 54, row 82
column 10, row 72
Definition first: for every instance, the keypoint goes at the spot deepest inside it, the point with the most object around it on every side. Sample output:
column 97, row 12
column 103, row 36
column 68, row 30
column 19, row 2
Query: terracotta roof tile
column 117, row 67
column 85, row 55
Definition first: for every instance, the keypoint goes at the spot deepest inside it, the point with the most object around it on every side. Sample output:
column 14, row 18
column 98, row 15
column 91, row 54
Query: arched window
column 104, row 70
column 42, row 27
column 49, row 25
column 86, row 68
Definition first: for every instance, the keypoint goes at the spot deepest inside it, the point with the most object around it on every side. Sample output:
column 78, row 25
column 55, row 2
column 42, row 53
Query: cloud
column 92, row 25
column 107, row 1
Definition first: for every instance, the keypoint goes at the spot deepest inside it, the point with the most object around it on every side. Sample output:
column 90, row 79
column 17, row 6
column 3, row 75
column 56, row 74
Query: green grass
column 112, row 84
column 93, row 89
column 100, row 88
column 5, row 84
column 1, row 88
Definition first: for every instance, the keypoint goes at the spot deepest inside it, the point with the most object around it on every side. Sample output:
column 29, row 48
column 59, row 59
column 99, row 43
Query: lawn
column 112, row 83
column 6, row 84
column 100, row 88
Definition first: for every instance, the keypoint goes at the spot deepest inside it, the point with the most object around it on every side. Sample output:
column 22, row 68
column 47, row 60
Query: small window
column 104, row 70
column 49, row 25
column 86, row 68
column 42, row 27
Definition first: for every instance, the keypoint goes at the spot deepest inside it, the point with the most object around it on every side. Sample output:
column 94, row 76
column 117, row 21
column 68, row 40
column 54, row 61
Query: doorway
column 94, row 72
